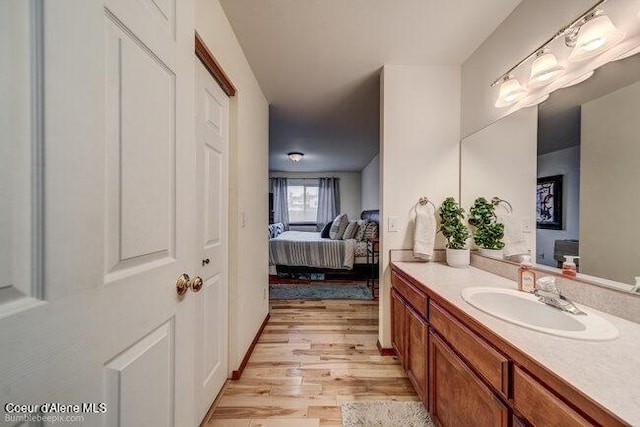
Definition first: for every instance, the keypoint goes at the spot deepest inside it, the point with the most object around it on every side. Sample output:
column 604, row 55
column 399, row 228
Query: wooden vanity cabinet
column 457, row 396
column 409, row 333
column 467, row 376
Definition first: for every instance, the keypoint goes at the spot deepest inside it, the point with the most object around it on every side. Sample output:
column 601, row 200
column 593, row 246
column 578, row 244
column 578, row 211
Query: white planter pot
column 492, row 253
column 458, row 258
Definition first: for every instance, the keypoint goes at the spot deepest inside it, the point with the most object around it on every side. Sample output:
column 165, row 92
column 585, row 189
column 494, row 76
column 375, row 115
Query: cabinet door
column 456, row 396
column 416, row 352
column 398, row 313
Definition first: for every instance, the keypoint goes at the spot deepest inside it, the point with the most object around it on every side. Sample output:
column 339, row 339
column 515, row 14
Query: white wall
column 419, row 155
column 248, row 159
column 350, row 196
column 610, row 173
column 370, row 184
column 499, row 161
column 528, row 26
column 567, row 163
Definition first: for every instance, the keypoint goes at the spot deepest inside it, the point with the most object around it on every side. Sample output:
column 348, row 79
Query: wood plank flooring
column 312, row 356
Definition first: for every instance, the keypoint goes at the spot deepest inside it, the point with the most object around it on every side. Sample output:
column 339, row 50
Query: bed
column 303, row 251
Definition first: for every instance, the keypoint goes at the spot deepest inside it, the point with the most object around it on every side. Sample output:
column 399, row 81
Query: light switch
column 392, row 224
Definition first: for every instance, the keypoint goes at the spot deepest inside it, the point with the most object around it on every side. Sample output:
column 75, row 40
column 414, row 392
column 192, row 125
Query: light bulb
column 544, row 69
column 510, row 92
column 595, row 36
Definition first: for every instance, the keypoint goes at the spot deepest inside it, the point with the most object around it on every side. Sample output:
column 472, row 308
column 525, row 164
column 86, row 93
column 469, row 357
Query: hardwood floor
column 312, row 356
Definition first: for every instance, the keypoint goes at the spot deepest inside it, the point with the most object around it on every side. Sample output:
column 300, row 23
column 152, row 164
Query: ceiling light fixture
column 295, row 156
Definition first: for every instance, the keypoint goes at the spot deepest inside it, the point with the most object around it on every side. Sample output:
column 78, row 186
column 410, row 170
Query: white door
column 212, row 139
column 100, row 222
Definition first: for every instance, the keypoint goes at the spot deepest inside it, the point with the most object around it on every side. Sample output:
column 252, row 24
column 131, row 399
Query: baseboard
column 235, row 375
column 385, row 351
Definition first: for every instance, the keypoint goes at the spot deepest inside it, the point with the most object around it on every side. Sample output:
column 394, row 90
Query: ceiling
column 318, row 63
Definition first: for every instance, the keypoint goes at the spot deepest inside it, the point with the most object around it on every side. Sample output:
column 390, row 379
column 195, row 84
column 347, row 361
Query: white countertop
column 606, row 371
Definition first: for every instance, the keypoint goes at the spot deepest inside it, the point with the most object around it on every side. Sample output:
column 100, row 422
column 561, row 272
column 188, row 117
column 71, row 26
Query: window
column 303, row 203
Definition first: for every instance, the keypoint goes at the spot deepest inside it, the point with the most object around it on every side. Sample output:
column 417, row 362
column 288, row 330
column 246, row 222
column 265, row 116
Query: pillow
column 325, row 230
column 350, row 231
column 371, row 231
column 362, row 226
column 275, row 229
column 338, row 226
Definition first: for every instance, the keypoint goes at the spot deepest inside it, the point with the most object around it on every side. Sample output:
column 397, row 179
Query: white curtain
column 328, row 200
column 280, row 202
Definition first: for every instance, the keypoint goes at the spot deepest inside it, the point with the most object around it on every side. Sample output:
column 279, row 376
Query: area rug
column 385, row 413
column 282, row 291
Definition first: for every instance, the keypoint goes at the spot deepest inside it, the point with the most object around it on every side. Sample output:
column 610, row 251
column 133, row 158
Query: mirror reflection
column 585, row 140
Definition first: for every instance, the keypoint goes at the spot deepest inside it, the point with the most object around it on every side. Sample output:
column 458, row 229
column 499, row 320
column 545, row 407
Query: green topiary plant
column 489, row 232
column 452, row 225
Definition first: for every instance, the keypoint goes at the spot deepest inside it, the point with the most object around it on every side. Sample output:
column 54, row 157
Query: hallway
column 311, row 357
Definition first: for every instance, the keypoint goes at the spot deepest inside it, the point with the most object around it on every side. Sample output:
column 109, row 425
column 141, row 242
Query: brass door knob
column 182, row 284
column 195, row 284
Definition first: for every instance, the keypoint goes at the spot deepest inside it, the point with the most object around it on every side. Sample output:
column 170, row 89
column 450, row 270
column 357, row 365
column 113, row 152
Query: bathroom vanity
column 471, row 368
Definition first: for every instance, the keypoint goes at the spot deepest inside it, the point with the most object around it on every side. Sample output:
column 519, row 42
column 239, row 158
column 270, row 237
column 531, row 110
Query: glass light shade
column 627, row 54
column 544, row 69
column 511, row 91
column 595, row 36
column 295, row 157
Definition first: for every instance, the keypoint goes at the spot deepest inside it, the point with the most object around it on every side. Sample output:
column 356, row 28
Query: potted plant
column 455, row 231
column 489, row 233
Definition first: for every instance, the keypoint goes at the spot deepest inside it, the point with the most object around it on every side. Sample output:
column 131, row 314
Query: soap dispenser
column 526, row 275
column 569, row 266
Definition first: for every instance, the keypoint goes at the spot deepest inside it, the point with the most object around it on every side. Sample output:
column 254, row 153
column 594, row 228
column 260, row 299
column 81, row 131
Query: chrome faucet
column 548, row 293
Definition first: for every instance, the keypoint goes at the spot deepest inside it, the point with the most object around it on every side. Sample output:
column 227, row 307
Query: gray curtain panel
column 328, row 200
column 280, row 203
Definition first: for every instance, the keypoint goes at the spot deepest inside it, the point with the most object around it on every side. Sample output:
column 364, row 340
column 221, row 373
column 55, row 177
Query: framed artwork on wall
column 549, row 202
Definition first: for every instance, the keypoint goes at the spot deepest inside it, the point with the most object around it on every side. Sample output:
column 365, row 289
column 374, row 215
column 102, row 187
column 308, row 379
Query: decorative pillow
column 275, row 229
column 371, row 232
column 338, row 226
column 362, row 225
column 350, row 231
column 361, row 249
column 325, row 230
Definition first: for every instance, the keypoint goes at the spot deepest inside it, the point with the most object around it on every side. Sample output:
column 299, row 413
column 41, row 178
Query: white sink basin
column 525, row 310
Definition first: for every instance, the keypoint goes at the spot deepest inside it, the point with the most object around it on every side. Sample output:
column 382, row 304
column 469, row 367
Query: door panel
column 117, row 124
column 212, row 139
column 141, row 377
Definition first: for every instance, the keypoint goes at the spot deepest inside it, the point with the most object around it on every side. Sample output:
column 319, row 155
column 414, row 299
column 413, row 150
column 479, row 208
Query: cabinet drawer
column 541, row 407
column 489, row 363
column 414, row 297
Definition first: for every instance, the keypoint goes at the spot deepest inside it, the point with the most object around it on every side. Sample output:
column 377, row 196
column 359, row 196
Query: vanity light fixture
column 295, row 156
column 511, row 91
column 595, row 36
column 544, row 69
column 591, row 34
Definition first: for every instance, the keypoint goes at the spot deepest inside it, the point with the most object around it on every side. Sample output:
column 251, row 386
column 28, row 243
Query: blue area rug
column 320, row 291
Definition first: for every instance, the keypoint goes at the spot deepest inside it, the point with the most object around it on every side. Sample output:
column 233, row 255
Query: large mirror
column 587, row 144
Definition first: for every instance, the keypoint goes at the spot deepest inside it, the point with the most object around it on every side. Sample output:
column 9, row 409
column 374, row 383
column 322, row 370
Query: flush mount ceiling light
column 295, row 156
column 595, row 36
column 544, row 69
column 510, row 92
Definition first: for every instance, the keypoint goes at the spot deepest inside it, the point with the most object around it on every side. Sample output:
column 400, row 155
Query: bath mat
column 385, row 413
column 319, row 291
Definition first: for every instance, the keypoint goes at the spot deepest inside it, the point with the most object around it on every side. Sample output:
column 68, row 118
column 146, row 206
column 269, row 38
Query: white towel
column 515, row 242
column 425, row 232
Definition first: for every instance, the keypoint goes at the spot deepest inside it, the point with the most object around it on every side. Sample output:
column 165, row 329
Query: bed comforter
column 303, row 248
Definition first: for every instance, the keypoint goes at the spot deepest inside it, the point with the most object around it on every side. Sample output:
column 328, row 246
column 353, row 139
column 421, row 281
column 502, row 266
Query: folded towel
column 425, row 232
column 515, row 242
